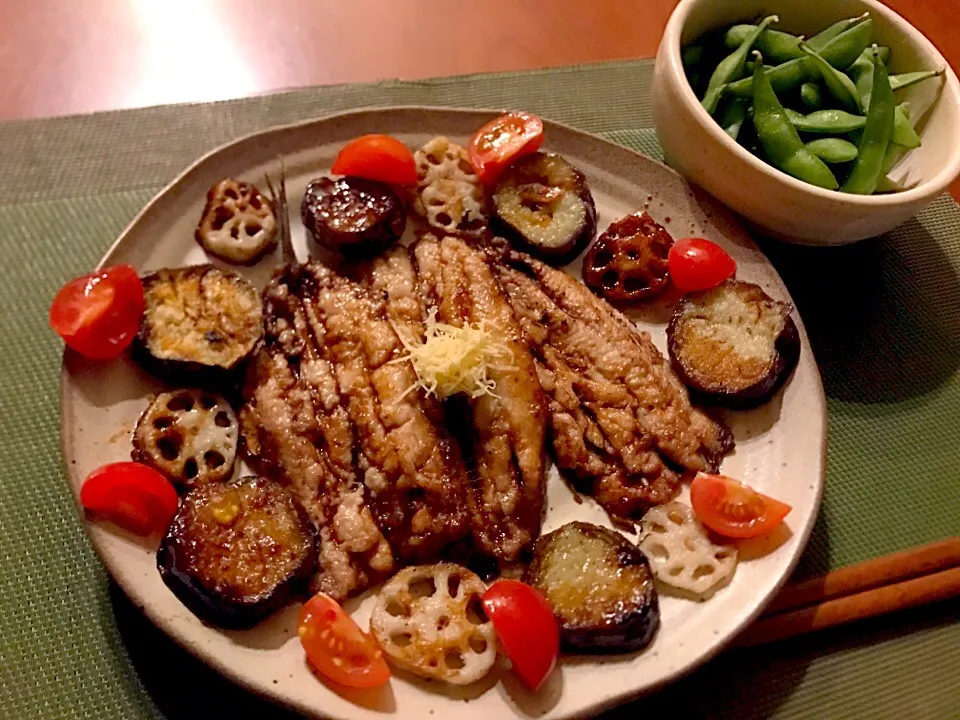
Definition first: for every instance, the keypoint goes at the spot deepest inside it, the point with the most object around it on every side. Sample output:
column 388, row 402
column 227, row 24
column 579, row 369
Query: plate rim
column 223, row 668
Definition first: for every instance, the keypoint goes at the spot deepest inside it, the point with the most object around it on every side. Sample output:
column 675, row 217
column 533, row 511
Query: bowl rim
column 925, row 189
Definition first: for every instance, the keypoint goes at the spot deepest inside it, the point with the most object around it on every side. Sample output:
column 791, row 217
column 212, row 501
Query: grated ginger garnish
column 455, row 359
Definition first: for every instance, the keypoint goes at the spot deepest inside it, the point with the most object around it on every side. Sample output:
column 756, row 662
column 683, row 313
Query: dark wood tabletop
column 61, row 57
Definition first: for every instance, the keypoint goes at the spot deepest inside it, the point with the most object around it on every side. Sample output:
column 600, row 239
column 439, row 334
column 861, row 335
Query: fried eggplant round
column 733, row 345
column 235, row 552
column 200, row 325
column 600, row 587
column 188, row 435
column 543, row 205
column 628, row 262
column 352, row 215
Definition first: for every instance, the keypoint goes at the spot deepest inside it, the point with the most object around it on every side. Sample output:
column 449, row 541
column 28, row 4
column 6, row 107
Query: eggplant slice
column 544, row 206
column 352, row 215
column 600, row 587
column 733, row 345
column 200, row 324
column 189, row 435
column 235, row 552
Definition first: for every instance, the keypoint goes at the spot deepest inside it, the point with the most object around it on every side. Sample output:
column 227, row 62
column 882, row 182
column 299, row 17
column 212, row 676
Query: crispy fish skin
column 296, row 431
column 506, row 497
column 327, row 412
column 621, row 420
column 411, row 467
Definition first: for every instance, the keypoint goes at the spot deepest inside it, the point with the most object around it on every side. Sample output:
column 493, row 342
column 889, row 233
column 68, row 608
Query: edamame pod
column 775, row 45
column 811, row 95
column 840, row 52
column 861, row 72
column 731, row 67
column 692, row 55
column 833, row 150
column 840, row 86
column 833, row 122
column 818, row 41
column 868, row 167
column 781, row 143
column 733, row 111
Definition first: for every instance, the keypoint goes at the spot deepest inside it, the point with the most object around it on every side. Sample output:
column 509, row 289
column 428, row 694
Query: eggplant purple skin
column 625, row 629
column 188, row 373
column 321, row 198
column 556, row 257
column 215, row 609
column 787, row 347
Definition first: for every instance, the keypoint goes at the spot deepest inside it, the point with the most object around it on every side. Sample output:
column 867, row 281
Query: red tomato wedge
column 337, row 648
column 732, row 509
column 527, row 628
column 131, row 495
column 698, row 264
column 98, row 315
column 377, row 157
column 501, row 141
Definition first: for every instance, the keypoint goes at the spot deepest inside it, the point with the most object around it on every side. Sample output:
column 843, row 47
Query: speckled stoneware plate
column 780, row 447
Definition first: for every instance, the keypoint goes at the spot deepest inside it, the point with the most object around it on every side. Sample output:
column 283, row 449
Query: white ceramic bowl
column 777, row 204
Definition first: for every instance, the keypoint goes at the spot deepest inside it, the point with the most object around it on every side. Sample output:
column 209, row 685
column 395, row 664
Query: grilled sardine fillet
column 621, row 420
column 331, row 413
column 507, row 493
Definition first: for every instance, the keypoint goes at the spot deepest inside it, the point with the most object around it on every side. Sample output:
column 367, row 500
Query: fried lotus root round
column 238, row 224
column 352, row 214
column 681, row 553
column 628, row 262
column 188, row 435
column 429, row 620
column 449, row 194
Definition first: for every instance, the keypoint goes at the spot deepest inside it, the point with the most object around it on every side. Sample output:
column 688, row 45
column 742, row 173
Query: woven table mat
column 883, row 318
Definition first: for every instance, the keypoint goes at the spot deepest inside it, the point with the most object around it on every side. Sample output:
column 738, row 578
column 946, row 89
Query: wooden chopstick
column 885, row 570
column 895, row 582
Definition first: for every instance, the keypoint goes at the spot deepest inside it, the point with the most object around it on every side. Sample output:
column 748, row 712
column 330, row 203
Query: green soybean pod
column 861, row 72
column 905, row 80
column 781, row 143
column 731, row 114
column 841, row 87
column 730, row 67
column 868, row 167
column 775, row 45
column 692, row 55
column 831, row 121
column 811, row 95
column 818, row 41
column 840, row 52
column 903, row 133
column 833, row 150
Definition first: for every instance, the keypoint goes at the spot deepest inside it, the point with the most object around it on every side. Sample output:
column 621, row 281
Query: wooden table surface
column 60, row 57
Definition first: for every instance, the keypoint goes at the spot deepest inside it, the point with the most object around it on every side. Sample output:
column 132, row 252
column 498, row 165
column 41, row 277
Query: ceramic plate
column 780, row 447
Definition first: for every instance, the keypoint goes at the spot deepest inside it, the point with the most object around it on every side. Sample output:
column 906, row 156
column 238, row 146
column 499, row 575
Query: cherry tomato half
column 501, row 141
column 337, row 648
column 98, row 315
column 134, row 496
column 527, row 628
column 698, row 264
column 732, row 509
column 377, row 157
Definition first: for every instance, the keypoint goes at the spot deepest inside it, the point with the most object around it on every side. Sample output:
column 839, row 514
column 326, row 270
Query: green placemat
column 883, row 318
